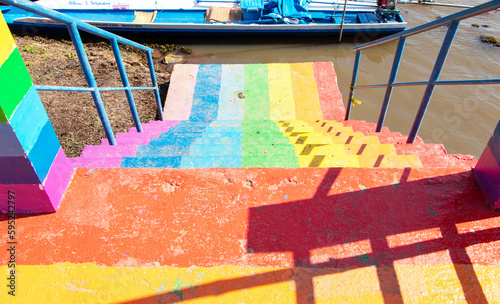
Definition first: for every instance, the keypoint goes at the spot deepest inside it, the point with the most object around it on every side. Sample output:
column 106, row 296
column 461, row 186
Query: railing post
column 87, row 71
column 155, row 83
column 353, row 83
column 436, row 71
column 126, row 84
column 392, row 79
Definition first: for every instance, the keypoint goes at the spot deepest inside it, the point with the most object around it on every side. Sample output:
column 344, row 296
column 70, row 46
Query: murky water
column 461, row 117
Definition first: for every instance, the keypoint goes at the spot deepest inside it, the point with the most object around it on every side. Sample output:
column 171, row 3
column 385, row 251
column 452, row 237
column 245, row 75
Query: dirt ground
column 52, row 60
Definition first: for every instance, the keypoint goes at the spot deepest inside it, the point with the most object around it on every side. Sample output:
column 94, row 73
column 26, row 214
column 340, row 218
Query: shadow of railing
column 391, row 220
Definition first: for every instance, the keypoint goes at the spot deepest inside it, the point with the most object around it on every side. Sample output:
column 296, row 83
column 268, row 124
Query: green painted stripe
column 2, row 116
column 264, row 145
column 256, row 92
column 14, row 83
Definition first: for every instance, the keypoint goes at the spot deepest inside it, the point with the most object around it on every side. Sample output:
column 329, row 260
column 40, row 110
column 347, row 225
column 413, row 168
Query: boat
column 222, row 16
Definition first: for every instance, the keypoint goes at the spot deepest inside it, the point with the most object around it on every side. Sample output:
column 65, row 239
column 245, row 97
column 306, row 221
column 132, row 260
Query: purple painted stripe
column 108, row 162
column 180, row 94
column 17, row 170
column 487, row 173
column 58, row 178
column 10, row 144
column 29, row 198
column 108, row 151
column 494, row 142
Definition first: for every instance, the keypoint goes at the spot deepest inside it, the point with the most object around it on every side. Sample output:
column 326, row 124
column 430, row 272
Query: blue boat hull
column 193, row 22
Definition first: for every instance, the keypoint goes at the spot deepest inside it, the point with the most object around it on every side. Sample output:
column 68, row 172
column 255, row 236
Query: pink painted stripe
column 180, row 94
column 108, row 151
column 58, row 178
column 330, row 97
column 126, row 141
column 107, row 162
column 161, row 126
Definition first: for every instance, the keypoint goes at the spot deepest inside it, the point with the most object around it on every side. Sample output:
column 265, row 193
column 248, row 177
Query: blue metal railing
column 453, row 21
column 74, row 26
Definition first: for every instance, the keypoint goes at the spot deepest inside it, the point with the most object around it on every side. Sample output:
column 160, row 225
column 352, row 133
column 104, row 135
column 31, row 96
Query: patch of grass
column 33, row 49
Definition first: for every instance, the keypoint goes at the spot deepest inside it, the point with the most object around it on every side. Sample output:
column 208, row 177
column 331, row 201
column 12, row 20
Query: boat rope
column 354, row 101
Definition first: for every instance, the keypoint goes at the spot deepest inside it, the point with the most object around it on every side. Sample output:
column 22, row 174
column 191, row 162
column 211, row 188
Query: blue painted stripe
column 163, row 150
column 213, row 150
column 195, row 129
column 44, row 151
column 28, row 119
column 172, row 136
column 206, row 93
column 231, row 99
column 211, row 162
column 153, row 162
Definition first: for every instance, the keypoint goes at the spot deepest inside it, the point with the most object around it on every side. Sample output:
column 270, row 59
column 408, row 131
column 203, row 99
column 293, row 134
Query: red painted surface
column 345, row 218
column 330, row 98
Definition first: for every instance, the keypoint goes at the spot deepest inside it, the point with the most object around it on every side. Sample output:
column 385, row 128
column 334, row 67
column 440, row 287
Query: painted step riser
column 127, row 141
column 214, row 150
column 183, row 162
column 108, row 151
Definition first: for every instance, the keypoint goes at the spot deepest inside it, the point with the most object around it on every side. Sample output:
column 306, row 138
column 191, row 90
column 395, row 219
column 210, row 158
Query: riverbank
column 52, row 60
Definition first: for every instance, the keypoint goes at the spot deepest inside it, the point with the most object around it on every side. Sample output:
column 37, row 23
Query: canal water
column 460, row 117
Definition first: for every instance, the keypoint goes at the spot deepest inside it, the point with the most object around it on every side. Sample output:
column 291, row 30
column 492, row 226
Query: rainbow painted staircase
column 215, row 205
column 261, row 115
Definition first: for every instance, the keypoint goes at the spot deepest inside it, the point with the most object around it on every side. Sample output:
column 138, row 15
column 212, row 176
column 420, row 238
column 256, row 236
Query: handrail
column 74, row 25
column 453, row 22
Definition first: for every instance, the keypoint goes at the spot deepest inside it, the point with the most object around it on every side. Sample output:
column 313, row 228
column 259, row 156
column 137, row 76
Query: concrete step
column 108, row 151
column 420, row 149
column 96, row 162
column 183, row 162
column 214, row 150
column 449, row 161
column 363, row 126
column 363, row 161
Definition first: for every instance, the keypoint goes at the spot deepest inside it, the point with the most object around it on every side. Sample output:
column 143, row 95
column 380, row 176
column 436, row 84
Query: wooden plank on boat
column 218, row 14
column 144, row 17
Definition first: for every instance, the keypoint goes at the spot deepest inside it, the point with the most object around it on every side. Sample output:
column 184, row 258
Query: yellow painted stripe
column 89, row 283
column 357, row 138
column 6, row 41
column 291, row 129
column 370, row 149
column 329, row 161
column 305, row 92
column 319, row 149
column 280, row 92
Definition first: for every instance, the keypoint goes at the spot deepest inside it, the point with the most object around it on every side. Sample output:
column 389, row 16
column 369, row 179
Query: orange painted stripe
column 263, row 217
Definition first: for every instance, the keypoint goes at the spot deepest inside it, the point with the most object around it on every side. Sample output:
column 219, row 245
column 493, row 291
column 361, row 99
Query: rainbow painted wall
column 488, row 169
column 32, row 164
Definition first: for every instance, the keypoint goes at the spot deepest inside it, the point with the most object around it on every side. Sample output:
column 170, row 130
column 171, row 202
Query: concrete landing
column 252, row 235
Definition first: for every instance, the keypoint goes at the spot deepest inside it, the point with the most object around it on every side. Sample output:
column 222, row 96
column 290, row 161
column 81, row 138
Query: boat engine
column 387, row 4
